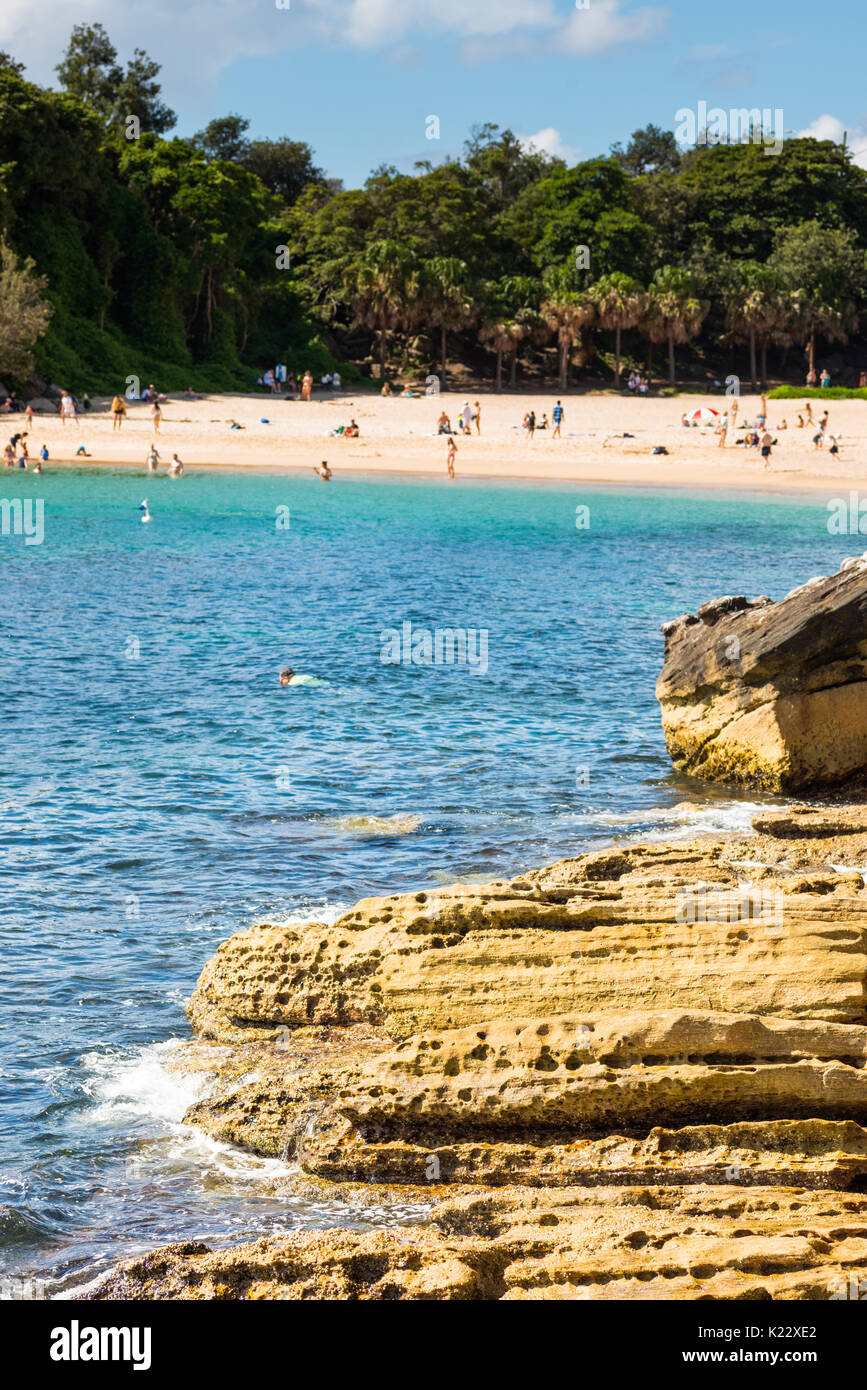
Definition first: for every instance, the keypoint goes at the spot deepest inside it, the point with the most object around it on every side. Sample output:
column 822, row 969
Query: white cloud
column 550, row 141
column 608, row 24
column 830, row 128
column 197, row 40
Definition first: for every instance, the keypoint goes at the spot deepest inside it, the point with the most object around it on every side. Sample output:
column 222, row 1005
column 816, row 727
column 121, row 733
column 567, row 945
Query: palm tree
column 568, row 313
column 448, row 304
column 755, row 309
column 673, row 312
column 384, row 290
column 621, row 302
column 497, row 332
column 823, row 272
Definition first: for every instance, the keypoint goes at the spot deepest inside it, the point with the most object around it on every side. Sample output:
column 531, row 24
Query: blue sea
column 160, row 790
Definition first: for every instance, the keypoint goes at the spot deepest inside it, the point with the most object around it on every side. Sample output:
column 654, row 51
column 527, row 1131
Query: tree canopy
column 202, row 258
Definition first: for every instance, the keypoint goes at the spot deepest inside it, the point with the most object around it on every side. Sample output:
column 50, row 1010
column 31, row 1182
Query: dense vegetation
column 205, row 260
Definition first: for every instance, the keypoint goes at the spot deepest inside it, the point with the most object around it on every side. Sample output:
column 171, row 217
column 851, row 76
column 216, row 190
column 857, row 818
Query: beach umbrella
column 704, row 415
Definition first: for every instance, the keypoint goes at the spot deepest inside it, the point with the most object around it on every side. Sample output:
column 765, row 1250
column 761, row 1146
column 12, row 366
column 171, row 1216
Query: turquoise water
column 160, row 790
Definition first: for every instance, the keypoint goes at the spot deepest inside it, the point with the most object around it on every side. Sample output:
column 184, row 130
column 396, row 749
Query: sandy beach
column 399, row 436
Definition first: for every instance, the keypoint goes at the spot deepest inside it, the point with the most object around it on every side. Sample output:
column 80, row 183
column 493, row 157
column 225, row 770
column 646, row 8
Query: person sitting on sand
column 352, row 431
column 9, row 456
column 444, row 424
column 118, row 410
column 43, row 453
column 323, row 471
column 783, row 425
column 81, row 450
column 190, row 395
column 386, row 390
column 684, row 421
column 543, row 423
column 800, row 424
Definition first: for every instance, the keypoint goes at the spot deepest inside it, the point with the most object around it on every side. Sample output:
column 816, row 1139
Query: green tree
column 448, row 304
column 91, row 73
column 384, row 291
column 673, row 314
column 222, row 138
column 138, row 94
column 823, row 269
column 285, row 167
column 621, row 302
column 650, row 151
column 755, row 311
column 24, row 311
column 569, row 313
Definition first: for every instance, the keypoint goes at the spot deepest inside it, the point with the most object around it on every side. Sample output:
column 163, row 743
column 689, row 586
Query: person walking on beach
column 153, row 459
column 450, row 456
column 118, row 410
column 723, row 430
column 157, row 414
column 176, row 468
column 557, row 415
column 307, row 386
column 531, row 424
column 766, row 444
column 67, row 408
column 477, row 416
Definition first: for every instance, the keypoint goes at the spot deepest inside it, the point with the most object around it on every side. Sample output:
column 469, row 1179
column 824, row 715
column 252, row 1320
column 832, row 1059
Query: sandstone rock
column 636, row 1073
column 519, row 1243
column 772, row 695
column 638, row 928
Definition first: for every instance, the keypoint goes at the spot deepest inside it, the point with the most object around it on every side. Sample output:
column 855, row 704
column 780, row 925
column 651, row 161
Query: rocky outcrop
column 621, row 1243
column 639, row 1073
column 638, row 928
column 771, row 695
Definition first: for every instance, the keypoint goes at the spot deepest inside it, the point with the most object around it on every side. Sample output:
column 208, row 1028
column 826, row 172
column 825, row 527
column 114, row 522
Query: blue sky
column 358, row 79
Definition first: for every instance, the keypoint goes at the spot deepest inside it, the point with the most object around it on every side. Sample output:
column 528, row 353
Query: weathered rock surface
column 638, row 1073
column 640, row 928
column 772, row 695
column 588, row 1243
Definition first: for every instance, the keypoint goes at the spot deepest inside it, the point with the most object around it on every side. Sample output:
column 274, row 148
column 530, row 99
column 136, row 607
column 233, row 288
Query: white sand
column 399, row 436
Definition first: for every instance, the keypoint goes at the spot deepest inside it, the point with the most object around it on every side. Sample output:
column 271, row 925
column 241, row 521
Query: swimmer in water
column 323, row 471
column 290, row 677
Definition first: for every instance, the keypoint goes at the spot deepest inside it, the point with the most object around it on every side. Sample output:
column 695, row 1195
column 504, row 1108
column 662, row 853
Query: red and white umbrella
column 704, row 415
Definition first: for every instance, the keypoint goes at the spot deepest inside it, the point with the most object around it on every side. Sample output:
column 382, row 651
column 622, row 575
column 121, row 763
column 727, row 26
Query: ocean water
column 159, row 790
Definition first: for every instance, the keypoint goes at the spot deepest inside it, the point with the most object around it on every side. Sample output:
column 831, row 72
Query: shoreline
column 789, row 484
column 607, row 442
